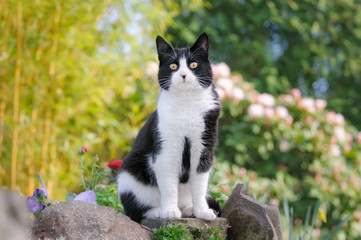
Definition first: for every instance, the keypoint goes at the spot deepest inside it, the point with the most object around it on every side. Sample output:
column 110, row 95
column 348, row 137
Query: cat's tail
column 214, row 204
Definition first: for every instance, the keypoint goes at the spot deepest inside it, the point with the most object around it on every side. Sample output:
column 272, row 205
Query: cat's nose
column 184, row 76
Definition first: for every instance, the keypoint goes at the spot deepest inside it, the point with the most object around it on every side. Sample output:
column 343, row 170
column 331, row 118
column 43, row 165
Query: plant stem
column 81, row 172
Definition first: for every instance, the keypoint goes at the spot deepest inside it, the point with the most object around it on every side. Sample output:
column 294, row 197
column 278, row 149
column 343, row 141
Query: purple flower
column 34, row 205
column 40, row 191
column 87, row 196
column 37, row 202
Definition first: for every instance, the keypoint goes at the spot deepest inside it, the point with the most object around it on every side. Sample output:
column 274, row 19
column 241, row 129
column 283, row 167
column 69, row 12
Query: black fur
column 132, row 208
column 146, row 144
column 214, row 204
column 197, row 53
column 209, row 139
column 186, row 161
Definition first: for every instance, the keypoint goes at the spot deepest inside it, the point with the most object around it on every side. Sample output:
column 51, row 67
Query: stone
column 195, row 223
column 248, row 218
column 14, row 217
column 80, row 220
column 274, row 215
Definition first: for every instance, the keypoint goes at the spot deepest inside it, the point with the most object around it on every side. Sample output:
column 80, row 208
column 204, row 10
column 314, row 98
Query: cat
column 166, row 173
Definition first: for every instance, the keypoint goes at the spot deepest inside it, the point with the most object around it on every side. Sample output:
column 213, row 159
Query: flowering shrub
column 288, row 146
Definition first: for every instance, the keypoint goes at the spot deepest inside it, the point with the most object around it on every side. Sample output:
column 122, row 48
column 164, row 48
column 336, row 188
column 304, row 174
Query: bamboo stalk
column 16, row 95
column 52, row 170
column 2, row 119
column 31, row 154
column 3, row 73
column 46, row 139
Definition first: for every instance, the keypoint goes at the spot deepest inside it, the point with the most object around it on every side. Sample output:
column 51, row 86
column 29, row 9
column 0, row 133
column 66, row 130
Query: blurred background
column 83, row 73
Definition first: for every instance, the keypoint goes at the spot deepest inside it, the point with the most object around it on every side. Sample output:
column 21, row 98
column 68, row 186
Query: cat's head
column 184, row 68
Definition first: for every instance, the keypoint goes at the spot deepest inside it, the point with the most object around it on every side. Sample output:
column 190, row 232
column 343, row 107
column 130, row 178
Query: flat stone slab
column 195, row 223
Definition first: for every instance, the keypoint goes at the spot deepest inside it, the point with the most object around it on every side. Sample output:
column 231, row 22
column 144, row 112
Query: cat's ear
column 164, row 49
column 201, row 46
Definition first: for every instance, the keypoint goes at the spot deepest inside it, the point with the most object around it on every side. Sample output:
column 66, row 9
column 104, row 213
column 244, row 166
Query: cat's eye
column 173, row 66
column 193, row 64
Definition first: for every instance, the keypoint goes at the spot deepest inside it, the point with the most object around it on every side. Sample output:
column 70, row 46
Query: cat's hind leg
column 132, row 207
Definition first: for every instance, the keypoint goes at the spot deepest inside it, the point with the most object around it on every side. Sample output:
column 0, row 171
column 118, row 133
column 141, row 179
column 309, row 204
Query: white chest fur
column 181, row 114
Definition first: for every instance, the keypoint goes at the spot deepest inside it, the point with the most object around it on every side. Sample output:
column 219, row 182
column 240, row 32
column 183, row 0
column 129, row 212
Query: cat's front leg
column 166, row 171
column 199, row 184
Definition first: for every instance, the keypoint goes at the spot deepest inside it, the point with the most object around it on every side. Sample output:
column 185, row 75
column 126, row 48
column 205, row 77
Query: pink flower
column 340, row 134
column 284, row 146
column 359, row 138
column 288, row 99
column 320, row 104
column 318, row 177
column 269, row 113
column 316, row 232
column 330, row 117
column 335, row 150
column 308, row 104
column 333, row 140
column 225, row 84
column 296, row 93
column 256, row 111
column 115, row 164
column 289, row 120
column 221, row 93
column 266, row 99
column 297, row 222
column 242, row 172
column 321, row 134
column 221, row 70
column 281, row 112
column 246, row 86
column 275, row 202
column 253, row 97
column 237, row 79
column 349, row 138
column 308, row 120
column 237, row 94
column 339, row 119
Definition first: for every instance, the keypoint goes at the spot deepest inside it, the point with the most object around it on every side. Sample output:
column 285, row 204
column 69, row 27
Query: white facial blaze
column 189, row 80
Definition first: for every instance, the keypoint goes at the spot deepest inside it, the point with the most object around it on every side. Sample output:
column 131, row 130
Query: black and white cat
column 166, row 173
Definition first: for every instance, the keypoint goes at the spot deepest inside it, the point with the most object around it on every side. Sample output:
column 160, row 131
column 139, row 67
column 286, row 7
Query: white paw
column 153, row 213
column 171, row 213
column 187, row 212
column 206, row 214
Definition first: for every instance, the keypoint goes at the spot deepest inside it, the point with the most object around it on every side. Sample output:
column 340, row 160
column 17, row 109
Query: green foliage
column 305, row 231
column 183, row 232
column 106, row 195
column 279, row 44
column 174, row 232
column 291, row 147
column 94, row 174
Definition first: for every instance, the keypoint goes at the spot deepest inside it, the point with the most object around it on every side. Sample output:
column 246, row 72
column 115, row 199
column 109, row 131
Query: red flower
column 82, row 150
column 115, row 164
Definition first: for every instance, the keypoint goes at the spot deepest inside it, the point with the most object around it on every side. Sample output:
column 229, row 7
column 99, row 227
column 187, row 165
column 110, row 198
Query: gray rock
column 79, row 220
column 275, row 219
column 248, row 218
column 14, row 217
